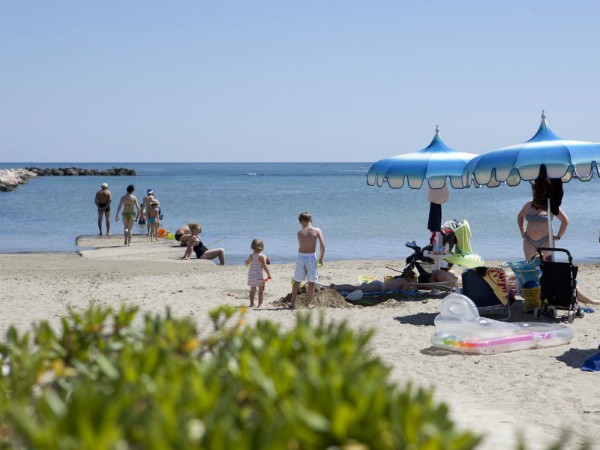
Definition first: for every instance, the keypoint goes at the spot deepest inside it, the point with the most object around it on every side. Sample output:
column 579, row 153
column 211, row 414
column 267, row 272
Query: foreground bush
column 103, row 383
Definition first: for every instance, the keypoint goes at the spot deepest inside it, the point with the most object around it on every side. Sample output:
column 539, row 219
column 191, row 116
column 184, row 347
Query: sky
column 290, row 81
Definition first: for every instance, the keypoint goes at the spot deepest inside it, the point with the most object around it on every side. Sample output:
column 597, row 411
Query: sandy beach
column 534, row 393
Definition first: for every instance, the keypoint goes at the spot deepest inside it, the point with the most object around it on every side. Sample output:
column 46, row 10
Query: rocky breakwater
column 12, row 178
column 77, row 171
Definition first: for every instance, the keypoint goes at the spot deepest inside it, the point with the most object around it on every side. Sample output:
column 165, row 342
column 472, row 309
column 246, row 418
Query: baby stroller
column 559, row 286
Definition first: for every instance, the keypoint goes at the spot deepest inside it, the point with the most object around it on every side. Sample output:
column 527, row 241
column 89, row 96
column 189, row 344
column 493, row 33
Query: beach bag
column 532, row 298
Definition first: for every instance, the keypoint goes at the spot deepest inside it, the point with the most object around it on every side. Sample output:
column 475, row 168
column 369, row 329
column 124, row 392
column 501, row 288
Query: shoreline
column 141, row 238
column 499, row 395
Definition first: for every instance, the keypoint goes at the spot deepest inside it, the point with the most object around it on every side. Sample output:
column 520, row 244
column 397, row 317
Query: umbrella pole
column 550, row 236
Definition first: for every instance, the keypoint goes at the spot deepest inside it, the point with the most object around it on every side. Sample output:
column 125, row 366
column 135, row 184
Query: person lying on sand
column 405, row 281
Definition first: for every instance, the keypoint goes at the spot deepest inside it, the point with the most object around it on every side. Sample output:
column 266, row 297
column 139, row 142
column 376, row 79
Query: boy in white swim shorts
column 306, row 263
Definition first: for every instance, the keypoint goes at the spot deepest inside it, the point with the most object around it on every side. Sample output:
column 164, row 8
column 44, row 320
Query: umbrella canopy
column 434, row 163
column 512, row 164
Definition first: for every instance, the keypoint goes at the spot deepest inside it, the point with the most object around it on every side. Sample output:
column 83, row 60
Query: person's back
column 103, row 199
column 306, row 262
column 103, row 196
column 307, row 239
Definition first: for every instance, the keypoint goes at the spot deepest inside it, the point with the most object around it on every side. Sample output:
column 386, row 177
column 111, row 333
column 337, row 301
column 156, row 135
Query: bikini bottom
column 537, row 243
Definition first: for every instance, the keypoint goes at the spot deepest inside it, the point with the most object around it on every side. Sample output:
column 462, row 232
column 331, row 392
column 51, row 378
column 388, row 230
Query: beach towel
column 463, row 254
column 592, row 364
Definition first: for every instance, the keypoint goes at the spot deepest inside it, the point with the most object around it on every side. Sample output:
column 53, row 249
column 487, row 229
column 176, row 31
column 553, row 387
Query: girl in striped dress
column 257, row 267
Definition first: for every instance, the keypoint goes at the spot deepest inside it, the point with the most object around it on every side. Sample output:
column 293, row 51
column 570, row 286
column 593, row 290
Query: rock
column 10, row 179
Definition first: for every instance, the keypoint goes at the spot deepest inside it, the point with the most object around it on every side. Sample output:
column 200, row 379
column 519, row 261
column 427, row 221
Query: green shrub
column 103, row 382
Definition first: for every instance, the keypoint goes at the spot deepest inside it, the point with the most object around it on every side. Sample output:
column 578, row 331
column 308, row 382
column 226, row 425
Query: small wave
column 251, row 174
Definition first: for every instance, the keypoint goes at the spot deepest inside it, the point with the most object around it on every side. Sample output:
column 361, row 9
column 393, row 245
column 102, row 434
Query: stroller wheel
column 580, row 313
column 571, row 316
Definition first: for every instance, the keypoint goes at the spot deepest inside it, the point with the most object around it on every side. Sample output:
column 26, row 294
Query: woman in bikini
column 535, row 233
column 129, row 203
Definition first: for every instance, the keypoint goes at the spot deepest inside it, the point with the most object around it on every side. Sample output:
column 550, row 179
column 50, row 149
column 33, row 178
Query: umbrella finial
column 543, row 115
column 437, row 128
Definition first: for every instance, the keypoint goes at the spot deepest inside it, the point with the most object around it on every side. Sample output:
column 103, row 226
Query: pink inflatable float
column 461, row 329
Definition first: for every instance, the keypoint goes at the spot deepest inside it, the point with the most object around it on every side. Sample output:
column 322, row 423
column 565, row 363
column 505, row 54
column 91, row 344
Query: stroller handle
column 563, row 250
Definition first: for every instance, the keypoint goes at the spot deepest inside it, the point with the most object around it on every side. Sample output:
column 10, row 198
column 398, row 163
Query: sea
column 237, row 202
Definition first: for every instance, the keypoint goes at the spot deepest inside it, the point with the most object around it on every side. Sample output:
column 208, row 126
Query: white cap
column 104, row 185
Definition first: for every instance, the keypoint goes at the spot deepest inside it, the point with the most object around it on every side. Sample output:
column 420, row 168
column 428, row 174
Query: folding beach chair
column 477, row 285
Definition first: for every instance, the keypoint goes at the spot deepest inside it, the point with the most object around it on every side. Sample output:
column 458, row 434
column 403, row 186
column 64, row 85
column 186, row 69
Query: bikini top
column 536, row 218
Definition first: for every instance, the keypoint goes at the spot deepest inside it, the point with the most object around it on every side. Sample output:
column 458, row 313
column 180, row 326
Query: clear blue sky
column 279, row 80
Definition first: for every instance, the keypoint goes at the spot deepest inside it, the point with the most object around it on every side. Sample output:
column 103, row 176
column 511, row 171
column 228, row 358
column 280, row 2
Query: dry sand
column 532, row 392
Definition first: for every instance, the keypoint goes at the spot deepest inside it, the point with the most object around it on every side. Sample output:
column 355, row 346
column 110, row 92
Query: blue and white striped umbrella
column 434, row 163
column 512, row 164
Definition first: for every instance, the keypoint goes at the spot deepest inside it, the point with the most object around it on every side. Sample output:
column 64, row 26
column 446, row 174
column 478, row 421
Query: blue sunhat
column 592, row 364
column 149, row 191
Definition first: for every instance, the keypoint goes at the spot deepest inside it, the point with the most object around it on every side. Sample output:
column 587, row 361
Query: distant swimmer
column 103, row 199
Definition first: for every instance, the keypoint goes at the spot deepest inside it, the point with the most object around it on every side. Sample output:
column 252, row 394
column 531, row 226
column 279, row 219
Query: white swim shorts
column 306, row 268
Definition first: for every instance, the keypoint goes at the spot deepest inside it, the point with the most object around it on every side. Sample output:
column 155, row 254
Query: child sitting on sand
column 257, row 267
column 154, row 219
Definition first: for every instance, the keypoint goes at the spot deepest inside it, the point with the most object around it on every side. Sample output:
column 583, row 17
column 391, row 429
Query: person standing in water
column 146, row 204
column 103, row 199
column 129, row 203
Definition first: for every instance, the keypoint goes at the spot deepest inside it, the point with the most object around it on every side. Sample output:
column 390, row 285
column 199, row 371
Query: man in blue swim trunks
column 306, row 263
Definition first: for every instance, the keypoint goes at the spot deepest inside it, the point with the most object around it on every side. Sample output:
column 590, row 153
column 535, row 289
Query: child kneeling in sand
column 257, row 267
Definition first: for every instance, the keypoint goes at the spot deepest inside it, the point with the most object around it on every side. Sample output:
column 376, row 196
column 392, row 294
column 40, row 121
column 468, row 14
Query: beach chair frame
column 558, row 285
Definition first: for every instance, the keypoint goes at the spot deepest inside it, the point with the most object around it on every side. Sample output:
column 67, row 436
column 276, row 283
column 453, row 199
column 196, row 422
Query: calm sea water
column 243, row 201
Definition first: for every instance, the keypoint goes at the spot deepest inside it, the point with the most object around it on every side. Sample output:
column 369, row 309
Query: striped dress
column 256, row 277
